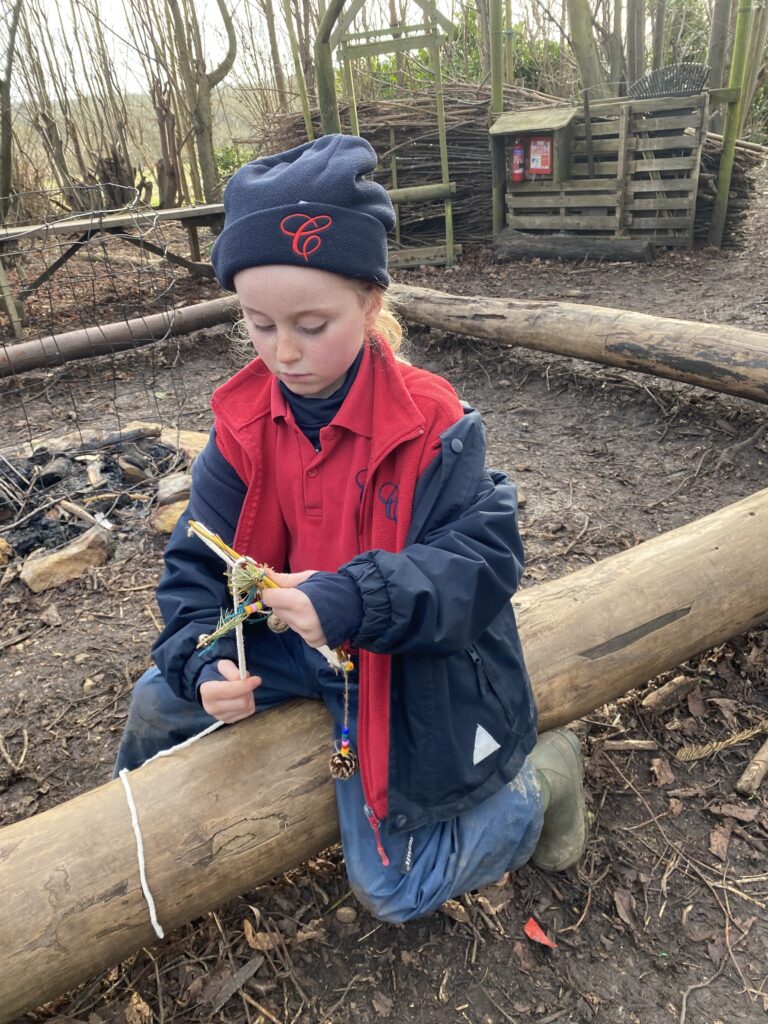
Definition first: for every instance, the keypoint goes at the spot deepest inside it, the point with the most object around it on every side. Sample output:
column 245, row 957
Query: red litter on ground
column 536, row 933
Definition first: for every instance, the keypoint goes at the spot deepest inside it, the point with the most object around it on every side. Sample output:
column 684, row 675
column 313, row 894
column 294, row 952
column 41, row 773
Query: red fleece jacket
column 409, row 410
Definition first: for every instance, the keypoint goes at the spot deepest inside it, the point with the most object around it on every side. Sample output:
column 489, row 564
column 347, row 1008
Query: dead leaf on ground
column 455, row 910
column 676, row 807
column 736, row 811
column 696, row 704
column 524, row 957
column 137, row 1011
column 727, row 708
column 662, row 773
column 625, row 906
column 49, row 616
column 257, row 940
column 382, row 1004
column 719, row 839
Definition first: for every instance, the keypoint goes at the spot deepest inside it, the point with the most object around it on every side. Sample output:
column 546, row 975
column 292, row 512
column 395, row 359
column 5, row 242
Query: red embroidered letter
column 306, row 232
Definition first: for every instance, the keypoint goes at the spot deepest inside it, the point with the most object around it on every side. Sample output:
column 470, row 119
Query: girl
column 364, row 479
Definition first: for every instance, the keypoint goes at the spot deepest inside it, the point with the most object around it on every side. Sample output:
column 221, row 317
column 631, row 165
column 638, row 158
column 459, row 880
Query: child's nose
column 288, row 350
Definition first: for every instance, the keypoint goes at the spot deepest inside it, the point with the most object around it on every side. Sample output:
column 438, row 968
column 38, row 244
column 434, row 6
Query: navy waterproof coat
column 462, row 715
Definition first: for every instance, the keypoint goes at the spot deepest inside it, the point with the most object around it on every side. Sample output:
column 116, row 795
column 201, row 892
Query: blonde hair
column 386, row 324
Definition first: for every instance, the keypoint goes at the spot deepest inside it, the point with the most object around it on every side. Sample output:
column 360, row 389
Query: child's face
column 306, row 324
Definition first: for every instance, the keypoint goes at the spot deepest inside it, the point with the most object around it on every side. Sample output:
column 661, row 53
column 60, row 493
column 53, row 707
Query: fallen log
column 106, row 339
column 715, row 356
column 250, row 802
column 517, row 245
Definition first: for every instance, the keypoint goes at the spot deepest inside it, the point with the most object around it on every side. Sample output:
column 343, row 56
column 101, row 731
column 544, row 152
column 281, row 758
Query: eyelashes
column 309, row 331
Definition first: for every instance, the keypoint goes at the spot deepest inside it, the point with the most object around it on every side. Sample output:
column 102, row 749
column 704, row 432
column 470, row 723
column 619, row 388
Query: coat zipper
column 374, row 822
column 480, row 669
column 370, row 814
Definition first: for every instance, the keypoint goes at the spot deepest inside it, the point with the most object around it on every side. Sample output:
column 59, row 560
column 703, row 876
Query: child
column 364, row 478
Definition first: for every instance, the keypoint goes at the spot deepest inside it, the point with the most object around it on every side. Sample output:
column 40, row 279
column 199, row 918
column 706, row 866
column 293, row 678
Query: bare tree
column 6, row 114
column 635, row 39
column 199, row 84
column 585, row 48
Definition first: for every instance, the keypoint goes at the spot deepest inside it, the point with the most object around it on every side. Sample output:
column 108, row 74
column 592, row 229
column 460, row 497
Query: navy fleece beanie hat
column 308, row 207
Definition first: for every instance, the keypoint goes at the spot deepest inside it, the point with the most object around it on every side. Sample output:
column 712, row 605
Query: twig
column 576, row 539
column 753, row 775
column 737, row 447
column 700, row 984
column 15, row 766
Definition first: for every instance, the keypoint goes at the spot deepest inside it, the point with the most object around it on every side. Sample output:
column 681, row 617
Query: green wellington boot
column 558, row 762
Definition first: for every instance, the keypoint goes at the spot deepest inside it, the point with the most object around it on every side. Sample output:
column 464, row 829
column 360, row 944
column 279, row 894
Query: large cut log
column 517, row 245
column 715, row 356
column 250, row 802
column 107, row 339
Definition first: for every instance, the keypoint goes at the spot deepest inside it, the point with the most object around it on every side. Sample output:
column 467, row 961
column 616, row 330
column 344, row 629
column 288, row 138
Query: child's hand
column 293, row 606
column 231, row 698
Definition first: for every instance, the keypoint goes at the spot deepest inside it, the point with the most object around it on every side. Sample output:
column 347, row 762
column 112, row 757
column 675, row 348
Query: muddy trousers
column 426, row 867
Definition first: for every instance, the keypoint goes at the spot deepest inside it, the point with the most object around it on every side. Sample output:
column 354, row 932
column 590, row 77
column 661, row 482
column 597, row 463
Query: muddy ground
column 664, row 920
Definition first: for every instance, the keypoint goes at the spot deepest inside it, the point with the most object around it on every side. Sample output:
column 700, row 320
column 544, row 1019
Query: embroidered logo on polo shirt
column 305, row 232
column 388, row 496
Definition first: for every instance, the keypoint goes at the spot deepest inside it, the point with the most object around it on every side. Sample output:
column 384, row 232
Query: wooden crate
column 641, row 181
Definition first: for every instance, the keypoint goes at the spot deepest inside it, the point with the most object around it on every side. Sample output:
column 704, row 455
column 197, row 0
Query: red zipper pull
column 373, row 821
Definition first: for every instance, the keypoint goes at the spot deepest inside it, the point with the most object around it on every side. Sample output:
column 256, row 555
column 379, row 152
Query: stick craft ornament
column 246, row 580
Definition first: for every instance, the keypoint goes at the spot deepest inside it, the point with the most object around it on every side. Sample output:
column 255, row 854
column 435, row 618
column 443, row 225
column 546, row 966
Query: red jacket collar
column 378, row 405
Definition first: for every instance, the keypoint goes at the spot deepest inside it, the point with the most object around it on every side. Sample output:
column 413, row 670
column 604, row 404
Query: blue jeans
column 426, row 867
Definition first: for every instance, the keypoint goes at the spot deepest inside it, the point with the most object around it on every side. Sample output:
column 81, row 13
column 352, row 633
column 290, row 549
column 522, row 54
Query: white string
column 123, row 776
column 239, row 627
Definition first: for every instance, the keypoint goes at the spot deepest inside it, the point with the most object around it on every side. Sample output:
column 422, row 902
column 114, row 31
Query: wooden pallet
column 637, row 178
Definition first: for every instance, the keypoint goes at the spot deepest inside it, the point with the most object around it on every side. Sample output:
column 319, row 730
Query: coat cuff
column 338, row 604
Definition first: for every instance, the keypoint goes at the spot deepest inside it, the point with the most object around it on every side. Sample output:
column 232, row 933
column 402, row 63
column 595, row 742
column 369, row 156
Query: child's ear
column 374, row 300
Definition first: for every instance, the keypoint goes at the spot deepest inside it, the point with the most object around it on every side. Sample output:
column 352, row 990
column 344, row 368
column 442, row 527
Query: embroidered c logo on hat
column 305, row 231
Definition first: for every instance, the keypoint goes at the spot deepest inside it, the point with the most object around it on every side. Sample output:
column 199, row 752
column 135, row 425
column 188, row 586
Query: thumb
column 231, row 673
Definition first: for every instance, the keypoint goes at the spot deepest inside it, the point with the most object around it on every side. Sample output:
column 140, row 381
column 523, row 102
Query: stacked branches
column 413, row 119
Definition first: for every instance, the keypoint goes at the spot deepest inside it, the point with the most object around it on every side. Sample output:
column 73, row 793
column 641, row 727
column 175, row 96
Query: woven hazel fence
column 413, row 120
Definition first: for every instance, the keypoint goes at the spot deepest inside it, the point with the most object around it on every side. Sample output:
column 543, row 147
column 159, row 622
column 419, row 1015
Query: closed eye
column 313, row 330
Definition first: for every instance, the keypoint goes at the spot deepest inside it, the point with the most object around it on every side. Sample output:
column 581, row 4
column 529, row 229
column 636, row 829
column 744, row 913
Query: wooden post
column 498, row 151
column 732, row 118
column 252, row 801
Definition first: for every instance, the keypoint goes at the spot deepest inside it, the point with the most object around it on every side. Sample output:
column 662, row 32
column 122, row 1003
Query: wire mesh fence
column 89, row 441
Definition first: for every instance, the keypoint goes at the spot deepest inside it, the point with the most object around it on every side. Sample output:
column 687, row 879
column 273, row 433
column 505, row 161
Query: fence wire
column 67, row 265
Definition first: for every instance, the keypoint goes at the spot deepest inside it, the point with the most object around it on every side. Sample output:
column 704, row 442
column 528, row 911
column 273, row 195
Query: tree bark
column 274, row 52
column 6, row 123
column 719, row 33
column 252, row 801
column 198, row 86
column 659, row 24
column 635, row 40
column 714, row 356
column 484, row 38
column 585, row 48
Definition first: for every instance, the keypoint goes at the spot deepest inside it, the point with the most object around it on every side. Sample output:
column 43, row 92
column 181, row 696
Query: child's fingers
column 288, row 579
